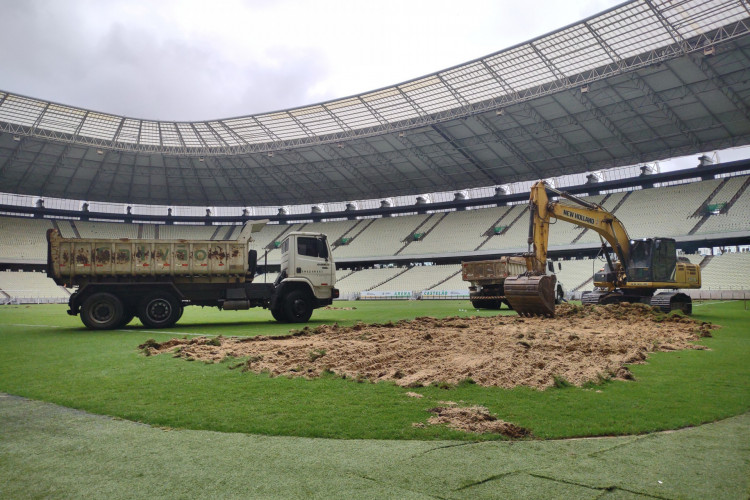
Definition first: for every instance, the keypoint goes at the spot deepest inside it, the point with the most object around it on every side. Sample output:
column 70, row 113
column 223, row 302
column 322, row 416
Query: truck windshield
column 312, row 247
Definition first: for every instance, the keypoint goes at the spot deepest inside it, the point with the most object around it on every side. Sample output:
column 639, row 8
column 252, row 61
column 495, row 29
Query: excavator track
column 673, row 301
column 593, row 298
column 531, row 295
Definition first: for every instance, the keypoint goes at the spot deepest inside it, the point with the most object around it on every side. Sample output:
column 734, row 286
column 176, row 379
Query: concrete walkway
column 52, row 451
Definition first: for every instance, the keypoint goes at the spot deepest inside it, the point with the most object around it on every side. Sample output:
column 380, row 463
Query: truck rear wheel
column 159, row 310
column 297, row 307
column 102, row 311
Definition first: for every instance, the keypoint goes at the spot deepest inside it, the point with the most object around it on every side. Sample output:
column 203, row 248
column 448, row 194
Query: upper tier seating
column 738, row 216
column 665, row 211
column 458, row 232
column 23, row 239
column 382, row 237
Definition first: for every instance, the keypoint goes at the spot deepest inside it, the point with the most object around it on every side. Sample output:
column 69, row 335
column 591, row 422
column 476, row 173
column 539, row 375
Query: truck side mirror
column 559, row 266
column 551, row 266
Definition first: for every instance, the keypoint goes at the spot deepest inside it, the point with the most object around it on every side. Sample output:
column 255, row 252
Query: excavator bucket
column 531, row 295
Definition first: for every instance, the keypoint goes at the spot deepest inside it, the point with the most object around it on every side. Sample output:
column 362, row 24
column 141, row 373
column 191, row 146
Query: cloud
column 195, row 60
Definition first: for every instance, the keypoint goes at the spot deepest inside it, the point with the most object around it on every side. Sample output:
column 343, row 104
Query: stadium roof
column 646, row 80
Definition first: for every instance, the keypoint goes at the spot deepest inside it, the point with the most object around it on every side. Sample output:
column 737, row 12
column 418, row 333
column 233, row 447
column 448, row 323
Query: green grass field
column 47, row 355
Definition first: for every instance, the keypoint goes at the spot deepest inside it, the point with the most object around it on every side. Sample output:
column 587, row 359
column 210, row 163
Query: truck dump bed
column 492, row 271
column 73, row 260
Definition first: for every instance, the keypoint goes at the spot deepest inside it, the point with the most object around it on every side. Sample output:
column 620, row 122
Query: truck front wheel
column 159, row 310
column 278, row 315
column 102, row 311
column 297, row 307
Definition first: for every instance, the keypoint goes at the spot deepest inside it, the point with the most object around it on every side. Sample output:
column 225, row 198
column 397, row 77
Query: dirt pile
column 580, row 345
column 474, row 419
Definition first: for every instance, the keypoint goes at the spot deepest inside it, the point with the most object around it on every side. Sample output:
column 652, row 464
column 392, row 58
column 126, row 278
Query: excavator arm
column 532, row 293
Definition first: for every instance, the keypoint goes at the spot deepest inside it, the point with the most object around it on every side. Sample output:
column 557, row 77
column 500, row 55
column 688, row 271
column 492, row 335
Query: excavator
column 642, row 266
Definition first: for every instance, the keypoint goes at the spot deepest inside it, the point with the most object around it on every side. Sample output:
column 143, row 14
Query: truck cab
column 307, row 269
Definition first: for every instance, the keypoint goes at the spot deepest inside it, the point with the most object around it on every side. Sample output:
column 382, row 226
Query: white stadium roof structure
column 646, row 80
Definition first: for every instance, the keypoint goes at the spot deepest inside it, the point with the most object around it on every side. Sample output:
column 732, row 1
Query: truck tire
column 297, row 307
column 159, row 310
column 102, row 311
column 127, row 317
column 278, row 315
column 487, row 304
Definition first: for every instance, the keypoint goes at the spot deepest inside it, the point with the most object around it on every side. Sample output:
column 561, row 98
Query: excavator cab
column 652, row 259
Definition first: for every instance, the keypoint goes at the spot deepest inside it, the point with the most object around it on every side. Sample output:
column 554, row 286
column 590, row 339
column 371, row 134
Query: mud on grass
column 580, row 345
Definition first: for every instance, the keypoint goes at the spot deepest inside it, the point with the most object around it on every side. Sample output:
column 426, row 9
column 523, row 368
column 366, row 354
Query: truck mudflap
column 531, row 295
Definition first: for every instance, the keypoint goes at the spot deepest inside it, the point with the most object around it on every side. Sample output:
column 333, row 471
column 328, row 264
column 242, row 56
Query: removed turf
column 582, row 345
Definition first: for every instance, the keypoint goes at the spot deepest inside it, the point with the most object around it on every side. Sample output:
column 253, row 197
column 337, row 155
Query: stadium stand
column 665, row 211
column 611, row 203
column 575, row 274
column 516, row 234
column 334, row 230
column 457, row 232
column 384, row 236
column 107, row 230
column 737, row 217
column 728, row 271
column 366, row 279
column 418, row 278
column 454, row 282
column 681, row 209
column 23, row 287
column 23, row 239
column 184, row 231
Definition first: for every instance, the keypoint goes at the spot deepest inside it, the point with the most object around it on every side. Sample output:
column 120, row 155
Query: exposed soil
column 580, row 345
column 474, row 419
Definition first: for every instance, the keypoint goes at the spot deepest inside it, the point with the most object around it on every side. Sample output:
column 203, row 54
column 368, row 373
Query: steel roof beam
column 657, row 101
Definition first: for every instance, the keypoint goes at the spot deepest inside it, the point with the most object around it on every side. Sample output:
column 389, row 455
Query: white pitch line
column 708, row 302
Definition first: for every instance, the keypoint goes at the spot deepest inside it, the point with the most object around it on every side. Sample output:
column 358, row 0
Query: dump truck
column 639, row 272
column 487, row 280
column 154, row 279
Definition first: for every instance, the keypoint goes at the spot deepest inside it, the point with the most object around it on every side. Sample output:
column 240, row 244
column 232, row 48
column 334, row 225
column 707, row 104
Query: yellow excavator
column 641, row 267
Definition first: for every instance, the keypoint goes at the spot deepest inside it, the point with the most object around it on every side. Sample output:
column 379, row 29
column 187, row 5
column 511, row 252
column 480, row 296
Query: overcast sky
column 208, row 59
column 200, row 60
